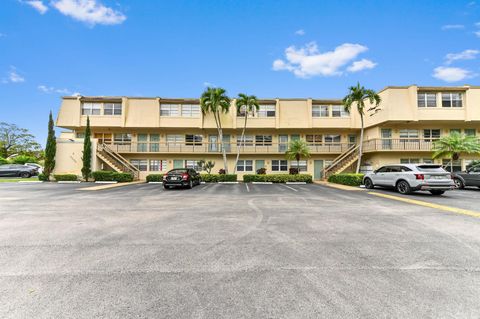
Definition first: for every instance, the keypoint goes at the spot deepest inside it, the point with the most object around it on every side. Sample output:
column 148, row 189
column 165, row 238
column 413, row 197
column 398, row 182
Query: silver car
column 406, row 178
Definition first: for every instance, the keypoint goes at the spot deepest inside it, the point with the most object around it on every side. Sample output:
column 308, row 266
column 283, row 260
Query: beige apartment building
column 153, row 135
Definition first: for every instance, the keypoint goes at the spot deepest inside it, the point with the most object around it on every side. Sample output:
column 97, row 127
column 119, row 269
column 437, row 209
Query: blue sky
column 50, row 48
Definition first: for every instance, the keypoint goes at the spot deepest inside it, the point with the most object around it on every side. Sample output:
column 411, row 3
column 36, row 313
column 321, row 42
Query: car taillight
column 419, row 176
column 184, row 176
column 164, row 177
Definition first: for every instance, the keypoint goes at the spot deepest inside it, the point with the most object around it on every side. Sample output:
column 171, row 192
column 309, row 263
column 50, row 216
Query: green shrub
column 277, row 178
column 111, row 176
column 65, row 177
column 43, row 177
column 22, row 159
column 215, row 178
column 3, row 161
column 155, row 178
column 347, row 179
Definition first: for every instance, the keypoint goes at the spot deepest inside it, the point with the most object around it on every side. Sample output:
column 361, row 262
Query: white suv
column 406, row 178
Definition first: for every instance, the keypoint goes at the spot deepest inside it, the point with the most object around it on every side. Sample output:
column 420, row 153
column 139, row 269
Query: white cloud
column 464, row 55
column 450, row 74
column 51, row 89
column 13, row 76
column 308, row 61
column 477, row 33
column 453, row 27
column 300, row 32
column 477, row 24
column 37, row 5
column 360, row 65
column 89, row 11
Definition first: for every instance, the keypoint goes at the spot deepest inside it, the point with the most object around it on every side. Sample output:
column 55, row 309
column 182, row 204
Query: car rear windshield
column 178, row 171
column 431, row 168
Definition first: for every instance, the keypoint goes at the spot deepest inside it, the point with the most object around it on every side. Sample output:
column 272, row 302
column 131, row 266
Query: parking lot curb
column 296, row 183
column 107, row 186
column 106, row 182
column 28, row 182
column 68, row 182
column 340, row 186
column 227, row 182
column 262, row 183
column 155, row 182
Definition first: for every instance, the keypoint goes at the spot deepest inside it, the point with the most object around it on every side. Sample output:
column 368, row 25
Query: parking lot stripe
column 248, row 189
column 430, row 205
column 293, row 189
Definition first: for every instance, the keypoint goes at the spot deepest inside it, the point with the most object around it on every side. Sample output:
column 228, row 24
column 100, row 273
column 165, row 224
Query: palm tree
column 296, row 150
column 358, row 94
column 248, row 104
column 451, row 146
column 215, row 101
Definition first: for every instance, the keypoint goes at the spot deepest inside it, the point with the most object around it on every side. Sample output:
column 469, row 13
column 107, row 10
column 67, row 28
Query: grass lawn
column 15, row 179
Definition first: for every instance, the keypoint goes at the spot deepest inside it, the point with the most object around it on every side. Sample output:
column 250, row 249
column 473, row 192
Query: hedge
column 65, row 177
column 155, row 178
column 277, row 178
column 215, row 178
column 3, row 161
column 347, row 179
column 43, row 177
column 22, row 159
column 110, row 176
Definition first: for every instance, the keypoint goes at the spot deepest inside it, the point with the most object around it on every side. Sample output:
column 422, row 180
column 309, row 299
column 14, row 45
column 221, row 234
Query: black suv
column 470, row 177
column 184, row 177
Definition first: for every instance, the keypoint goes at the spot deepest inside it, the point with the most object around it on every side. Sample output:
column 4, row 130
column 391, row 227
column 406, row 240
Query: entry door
column 386, row 138
column 317, row 169
column 282, row 143
column 352, row 140
column 259, row 164
column 177, row 163
column 226, row 143
column 213, row 143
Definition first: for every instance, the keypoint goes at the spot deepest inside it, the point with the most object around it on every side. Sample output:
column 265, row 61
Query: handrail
column 102, row 148
column 119, row 157
column 340, row 158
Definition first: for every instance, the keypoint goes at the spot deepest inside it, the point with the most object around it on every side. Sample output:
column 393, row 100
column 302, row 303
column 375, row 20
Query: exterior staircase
column 116, row 161
column 342, row 162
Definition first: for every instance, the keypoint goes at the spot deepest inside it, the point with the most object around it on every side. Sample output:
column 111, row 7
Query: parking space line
column 430, row 205
column 293, row 189
column 248, row 189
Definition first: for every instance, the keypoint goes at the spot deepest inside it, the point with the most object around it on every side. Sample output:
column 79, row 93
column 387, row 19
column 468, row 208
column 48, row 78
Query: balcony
column 407, row 144
column 212, row 148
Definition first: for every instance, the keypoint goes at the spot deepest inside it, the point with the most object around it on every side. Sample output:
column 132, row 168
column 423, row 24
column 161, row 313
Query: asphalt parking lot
column 235, row 251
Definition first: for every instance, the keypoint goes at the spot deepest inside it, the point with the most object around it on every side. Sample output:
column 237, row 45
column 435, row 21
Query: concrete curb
column 262, row 183
column 106, row 182
column 227, row 182
column 296, row 183
column 27, row 182
column 340, row 186
column 155, row 182
column 68, row 182
column 109, row 185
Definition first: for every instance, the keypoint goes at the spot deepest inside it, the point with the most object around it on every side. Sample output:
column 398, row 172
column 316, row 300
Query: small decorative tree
column 451, row 146
column 87, row 153
column 50, row 149
column 206, row 166
column 296, row 150
column 247, row 104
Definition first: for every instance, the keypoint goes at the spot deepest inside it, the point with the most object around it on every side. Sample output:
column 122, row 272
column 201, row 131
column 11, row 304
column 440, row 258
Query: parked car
column 183, row 177
column 17, row 170
column 470, row 177
column 406, row 178
column 37, row 166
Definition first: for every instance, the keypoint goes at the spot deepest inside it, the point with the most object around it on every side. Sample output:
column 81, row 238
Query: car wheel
column 403, row 187
column 24, row 175
column 458, row 183
column 166, row 187
column 437, row 192
column 368, row 183
column 190, row 184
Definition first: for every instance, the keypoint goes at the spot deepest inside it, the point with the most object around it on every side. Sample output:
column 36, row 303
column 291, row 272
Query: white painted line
column 227, row 182
column 262, row 183
column 155, row 182
column 68, row 182
column 106, row 182
column 248, row 188
column 296, row 183
column 28, row 182
column 202, row 182
column 293, row 189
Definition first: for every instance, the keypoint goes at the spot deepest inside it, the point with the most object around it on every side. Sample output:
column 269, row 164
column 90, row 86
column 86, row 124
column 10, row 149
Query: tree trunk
column 220, row 136
column 360, row 145
column 298, row 164
column 451, row 165
column 241, row 140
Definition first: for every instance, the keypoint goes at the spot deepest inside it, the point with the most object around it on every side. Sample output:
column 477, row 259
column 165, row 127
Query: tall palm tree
column 451, row 146
column 248, row 104
column 296, row 150
column 215, row 101
column 357, row 95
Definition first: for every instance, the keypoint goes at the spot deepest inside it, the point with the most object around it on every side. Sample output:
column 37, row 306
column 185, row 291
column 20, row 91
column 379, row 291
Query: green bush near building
column 3, row 161
column 347, row 179
column 216, row 178
column 110, row 176
column 155, row 178
column 277, row 178
column 22, row 159
column 65, row 177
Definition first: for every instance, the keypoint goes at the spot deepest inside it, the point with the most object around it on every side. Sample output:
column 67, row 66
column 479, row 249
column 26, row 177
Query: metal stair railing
column 341, row 158
column 116, row 158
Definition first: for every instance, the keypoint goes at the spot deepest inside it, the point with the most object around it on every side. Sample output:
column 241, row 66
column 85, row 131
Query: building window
column 192, row 164
column 314, row 139
column 247, row 140
column 80, row 135
column 451, row 99
column 406, row 134
column 190, row 110
column 339, row 111
column 263, row 140
column 409, row 161
column 431, row 135
column 175, row 139
column 112, row 109
column 169, row 109
column 141, row 165
column 154, row 142
column 320, row 111
column 426, row 99
column 455, row 130
column 470, row 132
column 279, row 165
column 428, row 161
column 122, row 138
column 245, row 166
column 142, row 144
column 302, row 165
column 447, row 165
column 158, row 165
column 193, row 139
column 91, row 108
column 330, row 139
column 266, row 111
